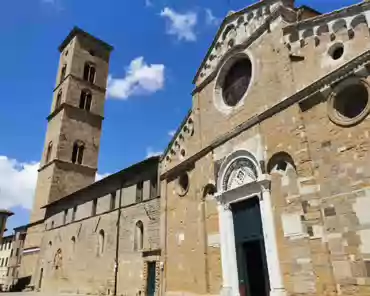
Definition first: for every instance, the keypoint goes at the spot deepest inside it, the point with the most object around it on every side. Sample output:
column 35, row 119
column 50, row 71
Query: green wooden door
column 150, row 287
column 250, row 248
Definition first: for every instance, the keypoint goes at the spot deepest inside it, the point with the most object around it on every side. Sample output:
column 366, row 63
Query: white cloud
column 181, row 25
column 98, row 176
column 171, row 133
column 17, row 183
column 150, row 152
column 55, row 3
column 211, row 19
column 140, row 79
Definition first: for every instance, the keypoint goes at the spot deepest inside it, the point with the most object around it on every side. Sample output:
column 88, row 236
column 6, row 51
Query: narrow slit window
column 139, row 236
column 89, row 73
column 63, row 73
column 85, row 100
column 59, row 99
column 65, row 217
column 153, row 188
column 48, row 152
column 78, row 152
column 113, row 201
column 139, row 191
column 94, row 207
column 101, row 242
column 74, row 213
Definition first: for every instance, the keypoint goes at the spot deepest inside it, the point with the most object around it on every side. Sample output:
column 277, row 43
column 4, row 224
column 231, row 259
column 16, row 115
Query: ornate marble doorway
column 240, row 183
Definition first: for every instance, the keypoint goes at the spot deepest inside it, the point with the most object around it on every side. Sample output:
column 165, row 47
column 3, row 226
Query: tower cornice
column 71, row 107
column 70, row 165
column 88, row 84
column 79, row 32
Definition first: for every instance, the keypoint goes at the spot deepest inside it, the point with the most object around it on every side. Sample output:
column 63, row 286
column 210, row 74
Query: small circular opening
column 351, row 101
column 336, row 51
column 183, row 184
column 231, row 43
column 183, row 152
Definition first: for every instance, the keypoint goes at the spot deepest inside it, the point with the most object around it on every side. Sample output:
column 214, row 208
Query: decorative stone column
column 230, row 285
column 269, row 231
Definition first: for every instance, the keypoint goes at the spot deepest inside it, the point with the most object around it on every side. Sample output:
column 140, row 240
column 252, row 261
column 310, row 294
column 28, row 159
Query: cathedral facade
column 263, row 190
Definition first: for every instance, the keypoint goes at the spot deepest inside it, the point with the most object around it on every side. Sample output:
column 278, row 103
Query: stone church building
column 263, row 190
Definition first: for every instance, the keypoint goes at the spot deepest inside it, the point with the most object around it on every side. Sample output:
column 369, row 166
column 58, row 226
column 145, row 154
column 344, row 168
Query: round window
column 183, row 184
column 349, row 104
column 236, row 82
column 336, row 51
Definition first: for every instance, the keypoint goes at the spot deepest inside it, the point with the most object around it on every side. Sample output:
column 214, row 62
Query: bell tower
column 70, row 157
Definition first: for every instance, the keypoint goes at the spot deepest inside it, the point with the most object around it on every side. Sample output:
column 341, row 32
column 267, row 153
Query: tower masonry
column 70, row 154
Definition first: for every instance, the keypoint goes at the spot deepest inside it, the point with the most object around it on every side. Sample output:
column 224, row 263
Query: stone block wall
column 318, row 199
column 70, row 256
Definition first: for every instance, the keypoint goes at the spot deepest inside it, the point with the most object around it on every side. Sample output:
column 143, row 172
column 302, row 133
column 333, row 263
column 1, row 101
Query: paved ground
column 35, row 294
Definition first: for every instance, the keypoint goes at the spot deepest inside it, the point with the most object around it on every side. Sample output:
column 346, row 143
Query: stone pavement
column 35, row 294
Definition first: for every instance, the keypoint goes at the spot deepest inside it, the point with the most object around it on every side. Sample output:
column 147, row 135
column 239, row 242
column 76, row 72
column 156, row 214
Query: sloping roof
column 308, row 8
column 177, row 132
column 6, row 212
column 77, row 31
column 124, row 174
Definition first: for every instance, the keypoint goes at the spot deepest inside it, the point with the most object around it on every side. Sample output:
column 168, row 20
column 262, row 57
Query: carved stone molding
column 348, row 19
column 237, row 31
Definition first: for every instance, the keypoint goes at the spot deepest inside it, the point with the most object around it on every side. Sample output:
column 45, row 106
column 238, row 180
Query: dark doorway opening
column 250, row 248
column 255, row 269
column 150, row 286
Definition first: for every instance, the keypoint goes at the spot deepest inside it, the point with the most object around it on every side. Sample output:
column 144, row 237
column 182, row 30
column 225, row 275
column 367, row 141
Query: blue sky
column 166, row 39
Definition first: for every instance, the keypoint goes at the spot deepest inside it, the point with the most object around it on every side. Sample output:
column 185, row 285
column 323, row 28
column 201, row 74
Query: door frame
column 260, row 189
column 253, row 237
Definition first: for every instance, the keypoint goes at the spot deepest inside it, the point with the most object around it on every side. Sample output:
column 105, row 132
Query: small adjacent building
column 5, row 254
column 14, row 281
column 4, row 215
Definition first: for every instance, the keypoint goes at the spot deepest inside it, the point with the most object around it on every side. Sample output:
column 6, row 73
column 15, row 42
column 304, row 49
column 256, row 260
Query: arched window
column 48, row 152
column 58, row 258
column 78, row 152
column 89, row 73
column 85, row 100
column 280, row 163
column 63, row 73
column 139, row 236
column 73, row 243
column 209, row 190
column 59, row 99
column 101, row 242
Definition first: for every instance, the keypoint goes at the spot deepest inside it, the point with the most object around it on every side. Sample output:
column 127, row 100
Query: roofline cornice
column 325, row 18
column 231, row 17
